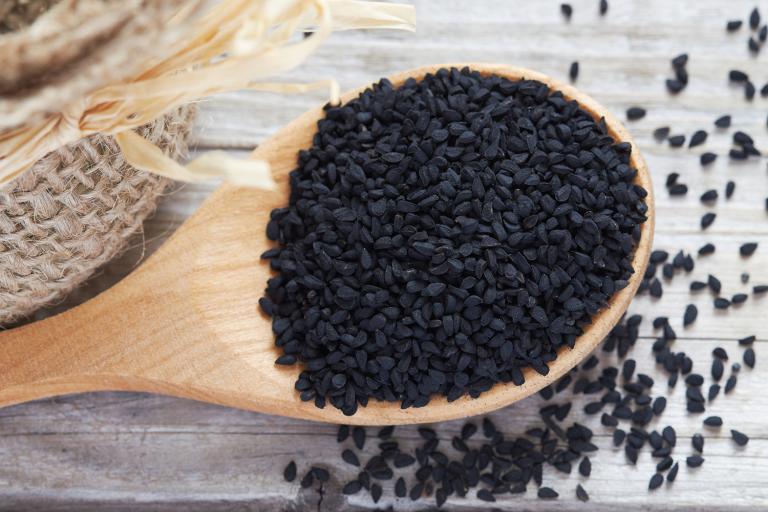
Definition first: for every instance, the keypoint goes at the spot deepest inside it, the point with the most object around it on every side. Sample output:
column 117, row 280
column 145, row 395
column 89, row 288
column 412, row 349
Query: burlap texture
column 73, row 212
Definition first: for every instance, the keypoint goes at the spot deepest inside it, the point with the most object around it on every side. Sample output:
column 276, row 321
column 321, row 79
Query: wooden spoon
column 187, row 323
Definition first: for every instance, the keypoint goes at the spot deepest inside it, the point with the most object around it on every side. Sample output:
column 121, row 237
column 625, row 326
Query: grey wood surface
column 119, row 451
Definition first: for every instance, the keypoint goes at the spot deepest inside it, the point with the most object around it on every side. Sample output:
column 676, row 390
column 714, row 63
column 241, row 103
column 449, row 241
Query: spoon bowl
column 187, row 322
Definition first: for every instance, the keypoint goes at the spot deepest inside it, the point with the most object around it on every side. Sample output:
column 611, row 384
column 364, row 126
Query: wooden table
column 112, row 451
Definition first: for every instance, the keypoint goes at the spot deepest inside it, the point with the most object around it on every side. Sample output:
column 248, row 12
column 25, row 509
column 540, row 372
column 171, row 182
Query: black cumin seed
column 714, row 390
column 694, row 461
column 721, row 303
column 386, row 432
column 376, row 492
column 723, row 121
column 733, row 25
column 707, row 219
column 740, row 438
column 358, row 436
column 764, row 88
column 680, row 61
column 352, row 487
column 698, row 138
column 342, row 433
column 690, row 314
column 706, row 249
column 350, row 458
column 635, row 113
column 754, row 19
column 290, row 472
column 697, row 285
column 730, row 384
column 672, row 474
column 581, row 494
column 308, row 479
column 739, row 298
column 566, row 10
column 717, row 369
column 698, row 442
column 661, row 133
column 400, row 489
column 738, row 76
column 747, row 340
column 659, row 404
column 709, row 196
column 714, row 283
column 485, row 495
column 713, row 421
column 762, row 34
column 760, row 288
column 729, row 189
column 656, row 480
column 749, row 357
column 720, row 353
column 585, row 467
column 547, row 493
column 618, row 437
column 676, row 141
column 573, row 71
column 672, row 178
column 707, row 158
column 748, row 249
column 749, row 89
column 678, row 189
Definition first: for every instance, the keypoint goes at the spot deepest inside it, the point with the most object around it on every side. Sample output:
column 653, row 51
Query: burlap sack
column 76, row 208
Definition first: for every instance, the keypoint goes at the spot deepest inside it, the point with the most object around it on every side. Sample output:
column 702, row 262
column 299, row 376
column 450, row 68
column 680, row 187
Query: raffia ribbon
column 232, row 46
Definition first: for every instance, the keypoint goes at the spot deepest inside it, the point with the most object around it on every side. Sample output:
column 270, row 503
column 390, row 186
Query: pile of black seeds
column 444, row 236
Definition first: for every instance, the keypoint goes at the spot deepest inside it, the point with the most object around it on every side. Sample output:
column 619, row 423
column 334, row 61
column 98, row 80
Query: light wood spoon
column 187, row 323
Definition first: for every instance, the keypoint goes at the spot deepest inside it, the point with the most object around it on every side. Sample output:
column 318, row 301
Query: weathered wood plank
column 114, row 451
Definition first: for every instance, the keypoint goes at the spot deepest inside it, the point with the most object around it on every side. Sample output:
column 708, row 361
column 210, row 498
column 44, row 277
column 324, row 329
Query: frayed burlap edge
column 74, row 211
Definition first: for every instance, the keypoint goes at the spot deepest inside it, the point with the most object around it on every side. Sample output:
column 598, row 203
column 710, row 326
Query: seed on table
column 581, row 493
column 672, row 178
column 678, row 189
column 547, row 493
column 721, row 303
column 676, row 141
column 699, row 137
column 698, row 442
column 290, row 472
column 350, row 458
column 730, row 384
column 749, row 357
column 566, row 10
column 762, row 35
column 308, row 480
column 655, row 289
column 400, row 489
column 680, row 61
column 717, row 369
column 733, row 25
column 709, row 196
column 376, row 492
column 720, row 353
column 764, row 89
column 485, row 495
column 749, row 90
column 691, row 312
column 658, row 406
column 706, row 249
column 739, row 298
column 730, row 187
column 661, row 133
column 740, row 438
column 714, row 390
column 635, row 113
column 723, row 121
column 352, row 487
column 342, row 433
column 738, row 76
column 748, row 249
column 759, row 289
column 707, row 219
column 707, row 158
column 747, row 340
column 656, row 480
column 697, row 285
column 573, row 71
column 618, row 437
column 694, row 461
column 753, row 45
column 603, row 7
column 714, row 283
column 358, row 436
column 754, row 19
column 713, row 421
column 585, row 467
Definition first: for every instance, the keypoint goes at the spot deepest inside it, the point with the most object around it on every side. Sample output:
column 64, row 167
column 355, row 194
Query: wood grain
column 128, row 451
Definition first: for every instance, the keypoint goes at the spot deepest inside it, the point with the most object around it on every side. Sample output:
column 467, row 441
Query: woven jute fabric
column 74, row 211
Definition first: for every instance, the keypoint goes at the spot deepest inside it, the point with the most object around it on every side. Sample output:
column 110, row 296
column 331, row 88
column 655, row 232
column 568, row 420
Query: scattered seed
column 713, row 421
column 603, row 9
column 723, row 121
column 709, row 196
column 698, row 442
column 635, row 113
column 547, row 493
column 707, row 219
column 694, row 461
column 759, row 289
column 748, row 249
column 656, row 480
column 358, row 436
column 676, row 141
column 733, row 25
column 740, row 438
column 707, row 158
column 754, row 19
column 661, row 133
column 690, row 314
column 581, row 493
column 747, row 340
column 485, row 495
column 698, row 138
column 566, row 10
column 678, row 189
column 573, row 71
column 738, row 76
column 749, row 357
column 721, row 303
column 730, row 384
column 350, row 458
column 290, row 472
